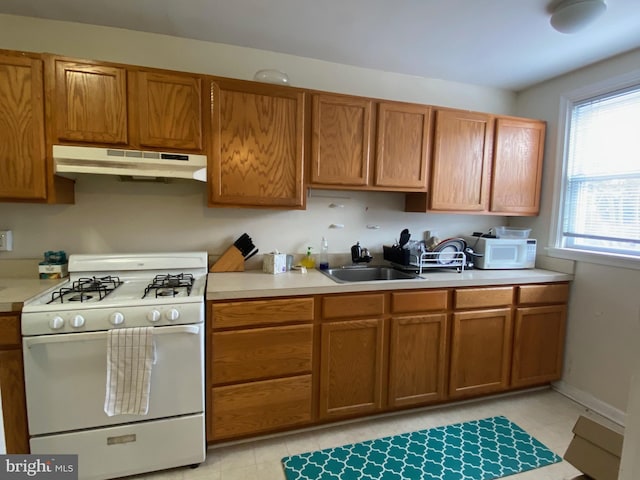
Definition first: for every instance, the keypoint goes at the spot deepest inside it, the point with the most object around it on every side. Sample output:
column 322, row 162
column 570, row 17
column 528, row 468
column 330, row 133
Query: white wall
column 601, row 338
column 111, row 216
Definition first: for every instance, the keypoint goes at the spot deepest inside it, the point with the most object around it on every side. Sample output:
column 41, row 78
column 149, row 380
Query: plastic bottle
column 324, row 254
column 308, row 261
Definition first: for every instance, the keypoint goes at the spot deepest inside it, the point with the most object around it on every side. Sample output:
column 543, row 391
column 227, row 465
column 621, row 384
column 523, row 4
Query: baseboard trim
column 589, row 401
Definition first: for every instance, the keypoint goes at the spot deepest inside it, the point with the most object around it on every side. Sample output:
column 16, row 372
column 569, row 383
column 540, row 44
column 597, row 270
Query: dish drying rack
column 419, row 260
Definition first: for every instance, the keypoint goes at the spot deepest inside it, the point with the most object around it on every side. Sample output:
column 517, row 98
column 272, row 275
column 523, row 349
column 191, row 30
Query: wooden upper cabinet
column 345, row 153
column 23, row 169
column 517, row 166
column 90, row 102
column 402, row 146
column 461, row 161
column 258, row 145
column 340, row 142
column 169, row 110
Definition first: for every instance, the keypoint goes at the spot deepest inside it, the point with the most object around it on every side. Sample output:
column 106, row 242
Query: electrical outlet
column 6, row 240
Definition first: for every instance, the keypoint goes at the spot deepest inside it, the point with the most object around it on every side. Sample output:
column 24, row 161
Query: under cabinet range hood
column 134, row 163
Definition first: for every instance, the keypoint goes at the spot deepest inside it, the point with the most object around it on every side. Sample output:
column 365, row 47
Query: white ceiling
column 501, row 43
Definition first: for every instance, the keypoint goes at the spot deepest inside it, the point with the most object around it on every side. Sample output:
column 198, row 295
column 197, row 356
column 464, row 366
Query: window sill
column 609, row 259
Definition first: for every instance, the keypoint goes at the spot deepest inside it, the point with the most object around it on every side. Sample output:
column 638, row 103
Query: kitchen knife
column 251, row 254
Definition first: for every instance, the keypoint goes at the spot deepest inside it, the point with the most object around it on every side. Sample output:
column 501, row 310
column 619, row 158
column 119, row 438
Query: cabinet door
column 259, row 407
column 480, row 352
column 340, row 142
column 12, row 386
column 351, row 368
column 258, row 137
column 517, row 166
column 90, row 103
column 461, row 161
column 22, row 154
column 538, row 345
column 169, row 108
column 403, row 134
column 417, row 359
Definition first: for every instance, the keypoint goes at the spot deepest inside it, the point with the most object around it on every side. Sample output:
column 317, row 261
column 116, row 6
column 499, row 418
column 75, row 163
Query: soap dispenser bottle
column 324, row 255
column 308, row 261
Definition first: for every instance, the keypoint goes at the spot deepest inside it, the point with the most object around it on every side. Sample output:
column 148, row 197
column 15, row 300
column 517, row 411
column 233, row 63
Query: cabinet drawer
column 9, row 331
column 532, row 294
column 261, row 353
column 424, row 301
column 259, row 407
column 347, row 306
column 483, row 297
column 261, row 312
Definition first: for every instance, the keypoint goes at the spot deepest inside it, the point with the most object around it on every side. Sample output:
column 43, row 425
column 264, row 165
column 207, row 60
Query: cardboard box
column 595, row 450
column 52, row 270
column 274, row 263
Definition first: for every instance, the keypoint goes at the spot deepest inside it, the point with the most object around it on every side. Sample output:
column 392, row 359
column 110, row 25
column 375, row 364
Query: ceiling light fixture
column 570, row 16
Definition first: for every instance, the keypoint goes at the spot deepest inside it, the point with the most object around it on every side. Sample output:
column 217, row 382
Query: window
column 601, row 190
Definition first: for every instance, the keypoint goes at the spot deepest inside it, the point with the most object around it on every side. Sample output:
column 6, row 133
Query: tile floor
column 545, row 414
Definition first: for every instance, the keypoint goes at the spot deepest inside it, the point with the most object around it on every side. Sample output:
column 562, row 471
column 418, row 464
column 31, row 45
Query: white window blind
column 602, row 189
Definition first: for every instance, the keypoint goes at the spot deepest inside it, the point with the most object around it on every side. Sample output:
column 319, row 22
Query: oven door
column 65, row 379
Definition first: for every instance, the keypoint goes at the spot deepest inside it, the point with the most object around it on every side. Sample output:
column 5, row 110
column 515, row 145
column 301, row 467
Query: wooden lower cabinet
column 260, row 407
column 417, row 359
column 14, row 407
column 351, row 361
column 284, row 363
column 480, row 352
column 260, row 358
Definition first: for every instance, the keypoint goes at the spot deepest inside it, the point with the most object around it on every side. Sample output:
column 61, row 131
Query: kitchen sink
column 372, row 273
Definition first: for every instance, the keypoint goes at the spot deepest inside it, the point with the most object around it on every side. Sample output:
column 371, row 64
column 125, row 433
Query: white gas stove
column 131, row 290
column 66, row 350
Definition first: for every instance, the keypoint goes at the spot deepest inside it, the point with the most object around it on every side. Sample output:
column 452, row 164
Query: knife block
column 231, row 260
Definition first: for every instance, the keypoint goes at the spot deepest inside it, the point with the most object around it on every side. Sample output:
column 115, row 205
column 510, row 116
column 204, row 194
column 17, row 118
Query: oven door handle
column 83, row 337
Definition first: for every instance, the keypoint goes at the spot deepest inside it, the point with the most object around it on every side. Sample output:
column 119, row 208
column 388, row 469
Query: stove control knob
column 153, row 316
column 172, row 315
column 56, row 323
column 77, row 321
column 116, row 318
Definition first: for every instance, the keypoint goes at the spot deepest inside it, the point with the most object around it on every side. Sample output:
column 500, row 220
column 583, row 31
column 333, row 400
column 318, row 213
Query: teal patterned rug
column 477, row 450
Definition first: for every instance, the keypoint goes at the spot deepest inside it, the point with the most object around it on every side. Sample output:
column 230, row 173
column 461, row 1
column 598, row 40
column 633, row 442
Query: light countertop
column 255, row 283
column 15, row 291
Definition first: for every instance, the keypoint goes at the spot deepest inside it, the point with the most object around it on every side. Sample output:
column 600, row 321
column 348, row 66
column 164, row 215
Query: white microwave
column 503, row 253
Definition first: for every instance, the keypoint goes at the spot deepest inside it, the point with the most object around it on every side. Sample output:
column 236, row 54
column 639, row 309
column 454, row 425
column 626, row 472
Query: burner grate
column 80, row 290
column 170, row 285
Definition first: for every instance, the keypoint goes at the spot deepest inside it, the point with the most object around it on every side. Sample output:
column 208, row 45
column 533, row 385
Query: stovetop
column 144, row 290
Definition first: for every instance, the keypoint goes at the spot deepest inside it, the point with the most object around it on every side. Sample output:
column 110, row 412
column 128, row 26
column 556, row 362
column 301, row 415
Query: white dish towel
column 130, row 357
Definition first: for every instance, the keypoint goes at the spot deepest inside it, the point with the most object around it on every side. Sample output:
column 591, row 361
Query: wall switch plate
column 6, row 240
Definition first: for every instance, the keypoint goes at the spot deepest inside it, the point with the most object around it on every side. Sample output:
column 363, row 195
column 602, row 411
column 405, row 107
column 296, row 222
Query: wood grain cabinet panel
column 23, row 169
column 417, row 359
column 352, row 306
column 90, row 103
column 261, row 312
column 16, row 432
column 259, row 353
column 517, row 166
column 259, row 407
column 419, row 301
column 402, row 146
column 483, row 297
column 258, row 145
column 461, row 161
column 543, row 294
column 480, row 352
column 538, row 345
column 169, row 108
column 341, row 139
column 351, row 366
